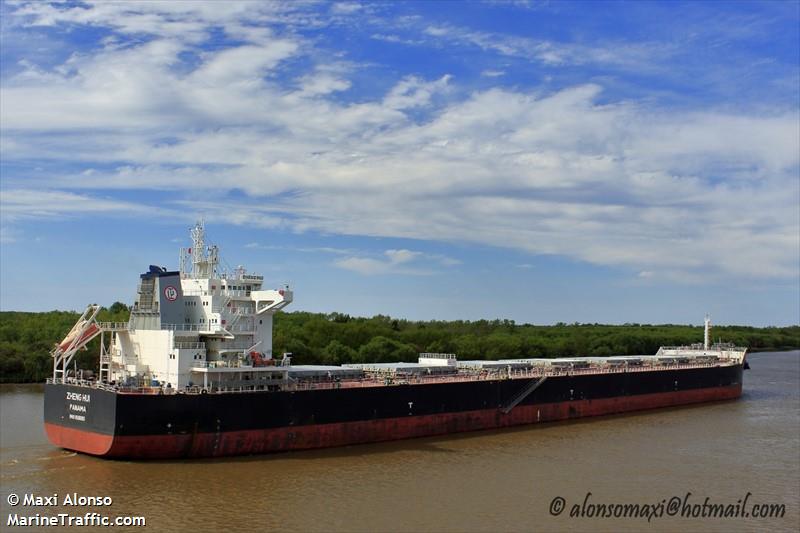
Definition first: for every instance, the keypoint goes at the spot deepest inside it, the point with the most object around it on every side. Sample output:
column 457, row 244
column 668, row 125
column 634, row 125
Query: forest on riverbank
column 335, row 338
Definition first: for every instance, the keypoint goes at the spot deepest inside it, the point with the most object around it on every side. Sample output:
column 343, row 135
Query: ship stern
column 82, row 419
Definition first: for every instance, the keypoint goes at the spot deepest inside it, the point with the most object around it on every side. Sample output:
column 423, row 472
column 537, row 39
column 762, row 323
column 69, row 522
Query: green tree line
column 335, row 338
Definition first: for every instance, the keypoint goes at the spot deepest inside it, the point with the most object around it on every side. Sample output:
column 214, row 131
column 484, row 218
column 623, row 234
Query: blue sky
column 536, row 161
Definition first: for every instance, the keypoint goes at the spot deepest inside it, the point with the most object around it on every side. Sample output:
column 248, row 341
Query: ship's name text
column 79, row 397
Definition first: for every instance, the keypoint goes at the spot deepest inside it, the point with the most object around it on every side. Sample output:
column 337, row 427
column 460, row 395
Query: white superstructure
column 198, row 326
column 202, row 329
column 719, row 350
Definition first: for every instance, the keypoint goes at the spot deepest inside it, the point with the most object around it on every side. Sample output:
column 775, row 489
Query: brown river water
column 485, row 481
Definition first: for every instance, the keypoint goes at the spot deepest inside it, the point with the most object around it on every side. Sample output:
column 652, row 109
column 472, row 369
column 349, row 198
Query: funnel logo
column 171, row 293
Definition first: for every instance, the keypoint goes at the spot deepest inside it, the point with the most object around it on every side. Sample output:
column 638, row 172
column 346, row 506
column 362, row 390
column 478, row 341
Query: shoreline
column 749, row 352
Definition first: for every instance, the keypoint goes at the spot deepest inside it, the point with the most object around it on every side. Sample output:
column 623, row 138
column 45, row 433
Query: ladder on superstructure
column 146, row 291
column 231, row 317
column 105, row 351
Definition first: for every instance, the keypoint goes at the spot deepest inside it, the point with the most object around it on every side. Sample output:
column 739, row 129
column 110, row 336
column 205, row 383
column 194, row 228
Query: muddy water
column 487, row 481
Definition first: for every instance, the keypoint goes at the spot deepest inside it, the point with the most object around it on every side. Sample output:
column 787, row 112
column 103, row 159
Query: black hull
column 198, row 425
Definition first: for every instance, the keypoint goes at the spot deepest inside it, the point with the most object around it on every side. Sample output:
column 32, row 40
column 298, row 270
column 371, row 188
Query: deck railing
column 375, row 380
column 113, row 326
column 189, row 345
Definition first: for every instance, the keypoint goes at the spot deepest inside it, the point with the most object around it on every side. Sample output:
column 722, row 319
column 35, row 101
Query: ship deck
column 375, row 379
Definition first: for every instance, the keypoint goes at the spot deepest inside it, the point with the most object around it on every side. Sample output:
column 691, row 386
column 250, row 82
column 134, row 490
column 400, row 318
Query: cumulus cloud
column 676, row 194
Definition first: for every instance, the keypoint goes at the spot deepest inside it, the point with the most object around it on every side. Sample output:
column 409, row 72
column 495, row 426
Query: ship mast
column 204, row 260
column 197, row 250
column 707, row 336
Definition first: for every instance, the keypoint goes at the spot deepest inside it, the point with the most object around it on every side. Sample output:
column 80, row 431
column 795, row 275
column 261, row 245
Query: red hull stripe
column 341, row 434
column 76, row 439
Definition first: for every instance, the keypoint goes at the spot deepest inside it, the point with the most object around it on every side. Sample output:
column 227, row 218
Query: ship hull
column 113, row 424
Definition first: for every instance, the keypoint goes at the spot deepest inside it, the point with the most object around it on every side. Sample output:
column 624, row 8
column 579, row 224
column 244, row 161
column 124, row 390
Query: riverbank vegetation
column 316, row 338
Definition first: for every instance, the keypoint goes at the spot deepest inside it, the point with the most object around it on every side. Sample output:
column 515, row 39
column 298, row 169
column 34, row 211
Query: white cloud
column 642, row 56
column 242, row 65
column 392, row 38
column 20, row 204
column 414, row 92
column 398, row 257
column 346, row 8
column 680, row 194
column 303, row 249
column 396, row 262
column 322, row 83
column 190, row 21
column 366, row 265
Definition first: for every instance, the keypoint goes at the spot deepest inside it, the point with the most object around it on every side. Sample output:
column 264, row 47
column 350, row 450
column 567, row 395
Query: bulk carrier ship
column 192, row 374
